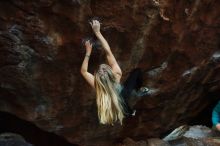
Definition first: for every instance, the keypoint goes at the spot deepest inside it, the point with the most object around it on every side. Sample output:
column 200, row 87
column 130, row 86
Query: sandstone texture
column 175, row 43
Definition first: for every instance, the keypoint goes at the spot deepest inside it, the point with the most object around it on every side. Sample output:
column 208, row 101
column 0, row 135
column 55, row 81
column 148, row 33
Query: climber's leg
column 133, row 82
column 133, row 89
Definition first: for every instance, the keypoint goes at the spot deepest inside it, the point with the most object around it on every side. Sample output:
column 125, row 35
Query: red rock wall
column 41, row 55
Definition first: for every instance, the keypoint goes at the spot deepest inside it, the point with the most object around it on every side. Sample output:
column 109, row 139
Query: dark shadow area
column 205, row 116
column 31, row 133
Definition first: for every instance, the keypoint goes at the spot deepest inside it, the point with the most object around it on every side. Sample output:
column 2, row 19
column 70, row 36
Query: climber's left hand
column 88, row 46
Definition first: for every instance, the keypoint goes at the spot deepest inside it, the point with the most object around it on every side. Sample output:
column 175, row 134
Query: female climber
column 111, row 96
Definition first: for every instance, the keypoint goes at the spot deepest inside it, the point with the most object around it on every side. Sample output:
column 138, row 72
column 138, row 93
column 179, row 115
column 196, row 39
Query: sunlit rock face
column 176, row 44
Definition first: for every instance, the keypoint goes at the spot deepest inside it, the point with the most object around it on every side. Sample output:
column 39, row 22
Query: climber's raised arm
column 84, row 68
column 110, row 57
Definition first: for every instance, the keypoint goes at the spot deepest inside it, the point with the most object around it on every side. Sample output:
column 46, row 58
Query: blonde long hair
column 109, row 103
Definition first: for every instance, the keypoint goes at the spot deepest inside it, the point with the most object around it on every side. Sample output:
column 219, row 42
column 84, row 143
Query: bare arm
column 84, row 68
column 110, row 57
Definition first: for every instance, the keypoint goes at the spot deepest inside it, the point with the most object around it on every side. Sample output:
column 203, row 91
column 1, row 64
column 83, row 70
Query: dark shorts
column 133, row 82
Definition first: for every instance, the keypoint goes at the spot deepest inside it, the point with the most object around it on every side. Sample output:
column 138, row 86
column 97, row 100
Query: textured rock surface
column 12, row 139
column 194, row 136
column 182, row 136
column 175, row 42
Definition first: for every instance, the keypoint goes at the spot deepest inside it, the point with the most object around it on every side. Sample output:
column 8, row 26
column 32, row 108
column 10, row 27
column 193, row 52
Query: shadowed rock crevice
column 31, row 133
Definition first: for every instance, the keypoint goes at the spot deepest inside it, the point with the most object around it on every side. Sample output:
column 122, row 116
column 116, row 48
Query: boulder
column 176, row 44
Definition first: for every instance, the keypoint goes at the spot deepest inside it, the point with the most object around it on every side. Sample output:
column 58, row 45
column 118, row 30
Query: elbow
column 82, row 71
column 119, row 73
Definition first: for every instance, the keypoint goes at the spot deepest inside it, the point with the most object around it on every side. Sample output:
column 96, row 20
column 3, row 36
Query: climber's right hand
column 95, row 24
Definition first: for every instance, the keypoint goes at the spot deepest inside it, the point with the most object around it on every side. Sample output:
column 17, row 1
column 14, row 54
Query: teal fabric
column 119, row 87
column 216, row 114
